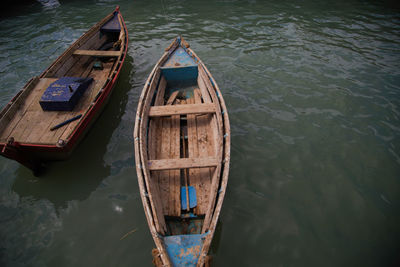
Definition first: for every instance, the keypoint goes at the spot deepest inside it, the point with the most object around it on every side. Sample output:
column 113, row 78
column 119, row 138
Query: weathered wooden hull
column 182, row 152
column 32, row 152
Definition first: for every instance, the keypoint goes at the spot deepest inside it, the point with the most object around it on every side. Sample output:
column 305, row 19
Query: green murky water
column 313, row 93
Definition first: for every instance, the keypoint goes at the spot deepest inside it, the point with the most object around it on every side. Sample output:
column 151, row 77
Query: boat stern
column 184, row 250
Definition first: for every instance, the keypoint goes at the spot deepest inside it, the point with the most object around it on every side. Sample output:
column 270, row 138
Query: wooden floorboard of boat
column 203, row 141
column 164, row 175
column 161, row 133
column 100, row 78
column 175, row 175
column 71, row 62
column 48, row 136
column 217, row 126
column 152, row 186
column 14, row 128
column 166, row 146
column 169, row 180
column 193, row 149
column 155, row 146
column 32, row 125
column 203, row 89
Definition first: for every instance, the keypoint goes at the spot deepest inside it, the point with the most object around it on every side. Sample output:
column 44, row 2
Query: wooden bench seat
column 160, row 111
column 181, row 163
column 97, row 53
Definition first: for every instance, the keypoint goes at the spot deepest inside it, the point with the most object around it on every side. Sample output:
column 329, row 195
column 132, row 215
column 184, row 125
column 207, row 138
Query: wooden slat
column 203, row 77
column 26, row 130
column 155, row 125
column 161, row 111
column 175, row 175
column 18, row 124
column 122, row 32
column 164, row 175
column 154, row 145
column 172, row 98
column 59, row 66
column 45, row 120
column 155, row 194
column 203, row 89
column 70, row 63
column 183, row 163
column 100, row 79
column 194, row 173
column 204, row 141
column 217, row 127
column 154, row 186
column 8, row 115
column 97, row 53
column 160, row 93
column 163, row 151
column 81, row 68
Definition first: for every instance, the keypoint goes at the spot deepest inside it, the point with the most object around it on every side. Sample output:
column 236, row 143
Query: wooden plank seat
column 97, row 53
column 181, row 163
column 160, row 111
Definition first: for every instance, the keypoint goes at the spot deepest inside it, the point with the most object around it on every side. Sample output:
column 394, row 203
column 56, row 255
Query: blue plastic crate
column 64, row 94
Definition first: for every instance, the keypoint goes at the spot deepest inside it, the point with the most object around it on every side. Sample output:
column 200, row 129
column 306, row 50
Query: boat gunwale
column 226, row 162
column 142, row 178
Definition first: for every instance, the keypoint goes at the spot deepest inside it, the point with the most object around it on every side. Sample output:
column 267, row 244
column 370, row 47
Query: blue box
column 64, row 94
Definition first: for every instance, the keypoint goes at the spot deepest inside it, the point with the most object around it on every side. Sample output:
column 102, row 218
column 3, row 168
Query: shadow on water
column 17, row 8
column 77, row 177
column 216, row 239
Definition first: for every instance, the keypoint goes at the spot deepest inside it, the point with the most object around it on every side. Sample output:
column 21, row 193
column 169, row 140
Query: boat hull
column 34, row 154
column 182, row 188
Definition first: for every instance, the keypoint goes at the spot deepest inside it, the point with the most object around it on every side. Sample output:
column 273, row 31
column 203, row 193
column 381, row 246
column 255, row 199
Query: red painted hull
column 32, row 155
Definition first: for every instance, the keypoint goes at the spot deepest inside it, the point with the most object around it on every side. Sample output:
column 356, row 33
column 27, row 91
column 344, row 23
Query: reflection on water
column 313, row 93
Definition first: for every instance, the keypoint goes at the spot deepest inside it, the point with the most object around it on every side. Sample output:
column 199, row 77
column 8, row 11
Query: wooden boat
column 182, row 151
column 69, row 95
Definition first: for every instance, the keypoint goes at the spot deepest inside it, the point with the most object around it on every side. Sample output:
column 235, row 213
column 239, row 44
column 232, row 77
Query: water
column 313, row 93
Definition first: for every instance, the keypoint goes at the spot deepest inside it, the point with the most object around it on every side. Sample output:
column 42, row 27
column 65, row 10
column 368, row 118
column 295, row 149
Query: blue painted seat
column 184, row 250
column 180, row 68
column 112, row 25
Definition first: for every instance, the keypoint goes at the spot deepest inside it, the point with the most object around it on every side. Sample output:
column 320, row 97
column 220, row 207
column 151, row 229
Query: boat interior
column 183, row 126
column 93, row 57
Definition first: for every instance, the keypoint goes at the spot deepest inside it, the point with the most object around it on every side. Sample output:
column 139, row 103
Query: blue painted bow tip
column 184, row 250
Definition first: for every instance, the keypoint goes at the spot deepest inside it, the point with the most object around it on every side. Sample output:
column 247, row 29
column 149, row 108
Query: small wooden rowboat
column 51, row 114
column 182, row 151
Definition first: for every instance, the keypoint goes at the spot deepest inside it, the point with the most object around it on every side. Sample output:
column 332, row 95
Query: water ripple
column 313, row 93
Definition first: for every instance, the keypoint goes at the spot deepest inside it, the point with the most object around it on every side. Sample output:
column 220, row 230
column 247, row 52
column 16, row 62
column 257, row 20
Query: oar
column 65, row 122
